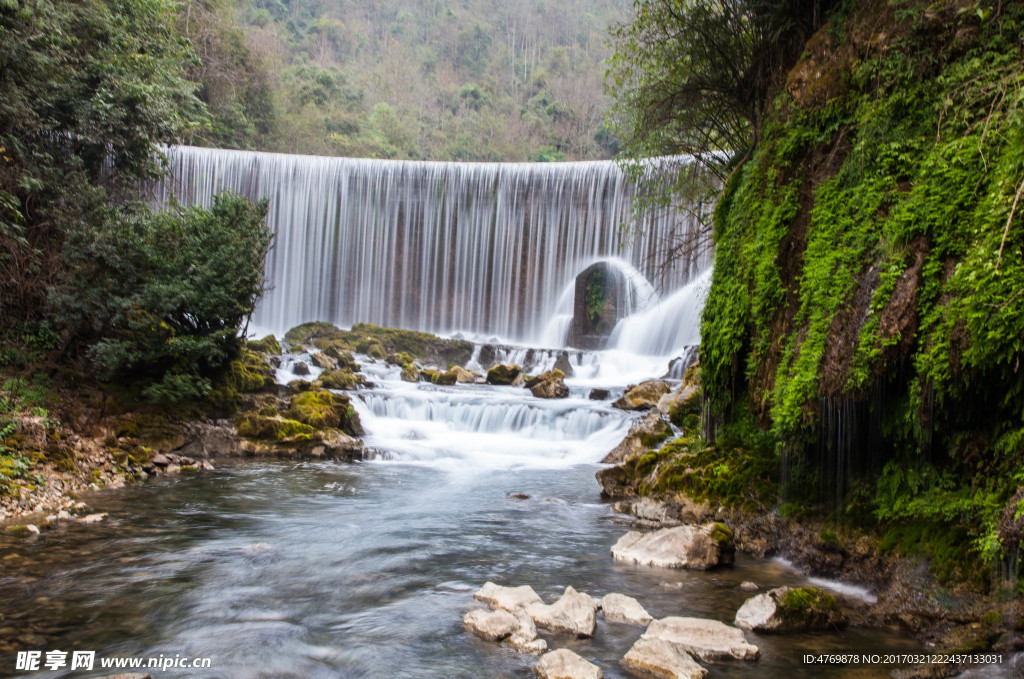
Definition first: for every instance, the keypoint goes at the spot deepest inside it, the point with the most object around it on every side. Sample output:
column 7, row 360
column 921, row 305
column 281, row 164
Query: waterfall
column 478, row 248
column 668, row 326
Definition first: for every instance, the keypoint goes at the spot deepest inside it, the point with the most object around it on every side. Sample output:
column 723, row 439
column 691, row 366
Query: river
column 333, row 570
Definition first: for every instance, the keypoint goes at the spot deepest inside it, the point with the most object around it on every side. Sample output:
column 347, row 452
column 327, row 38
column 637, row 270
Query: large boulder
column 564, row 664
column 490, row 625
column 464, row 376
column 643, row 396
column 692, row 547
column 507, row 598
column 644, row 434
column 503, row 373
column 621, row 608
column 573, row 613
column 662, row 659
column 785, row 609
column 548, row 385
column 708, row 640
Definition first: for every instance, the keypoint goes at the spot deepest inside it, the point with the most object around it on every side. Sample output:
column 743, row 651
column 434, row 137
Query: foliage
column 470, row 81
column 160, row 297
column 89, row 87
column 695, row 78
column 869, row 268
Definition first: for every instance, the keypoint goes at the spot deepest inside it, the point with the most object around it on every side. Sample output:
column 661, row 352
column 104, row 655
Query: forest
column 425, row 80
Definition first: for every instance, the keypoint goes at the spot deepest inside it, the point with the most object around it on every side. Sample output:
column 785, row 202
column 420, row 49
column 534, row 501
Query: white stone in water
column 564, row 664
column 679, row 547
column 748, row 586
column 662, row 659
column 93, row 518
column 704, row 639
column 490, row 625
column 507, row 598
column 524, row 638
column 573, row 613
column 32, row 528
column 622, row 608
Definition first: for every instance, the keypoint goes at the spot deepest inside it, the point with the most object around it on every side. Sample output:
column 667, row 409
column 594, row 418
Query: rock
column 643, row 396
column 300, row 368
column 562, row 363
column 573, row 613
column 342, row 378
column 660, row 658
column 322, row 360
column 693, row 547
column 708, row 640
column 748, row 586
column 598, row 394
column 548, row 385
column 524, row 638
column 32, row 528
column 519, row 381
column 621, row 608
column 93, row 518
column 644, row 434
column 410, row 373
column 160, row 460
column 464, row 376
column 490, row 625
column 684, row 401
column 790, row 610
column 518, row 496
column 507, row 598
column 503, row 373
column 564, row 664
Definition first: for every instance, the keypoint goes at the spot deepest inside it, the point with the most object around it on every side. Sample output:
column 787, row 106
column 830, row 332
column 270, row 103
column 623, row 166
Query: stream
column 324, row 569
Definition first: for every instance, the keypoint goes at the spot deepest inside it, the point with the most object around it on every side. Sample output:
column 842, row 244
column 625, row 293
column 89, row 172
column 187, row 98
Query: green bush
column 158, row 298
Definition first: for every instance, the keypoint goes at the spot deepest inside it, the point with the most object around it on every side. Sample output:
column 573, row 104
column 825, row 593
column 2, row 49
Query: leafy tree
column 159, row 298
column 88, row 87
column 695, row 77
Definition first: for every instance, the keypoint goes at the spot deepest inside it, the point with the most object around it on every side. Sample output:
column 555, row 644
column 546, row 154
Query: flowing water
column 481, row 248
column 322, row 569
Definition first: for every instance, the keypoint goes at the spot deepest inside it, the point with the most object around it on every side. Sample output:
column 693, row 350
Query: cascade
column 478, row 248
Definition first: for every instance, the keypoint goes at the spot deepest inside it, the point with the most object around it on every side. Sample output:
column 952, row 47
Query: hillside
column 438, row 80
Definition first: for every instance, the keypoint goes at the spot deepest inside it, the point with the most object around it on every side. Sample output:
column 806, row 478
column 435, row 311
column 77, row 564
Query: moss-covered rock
column 643, row 396
column 307, row 332
column 273, row 428
column 787, row 609
column 410, row 373
column 268, row 345
column 503, row 374
column 340, row 379
column 319, row 409
column 401, row 358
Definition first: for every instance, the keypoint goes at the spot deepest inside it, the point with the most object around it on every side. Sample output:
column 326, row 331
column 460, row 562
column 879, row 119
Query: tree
column 88, row 88
column 158, row 298
column 695, row 77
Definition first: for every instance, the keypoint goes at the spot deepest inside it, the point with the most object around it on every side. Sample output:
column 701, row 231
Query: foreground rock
column 548, row 385
column 692, row 547
column 573, row 613
column 643, row 434
column 708, row 640
column 507, row 598
column 564, row 664
column 621, row 608
column 790, row 610
column 643, row 396
column 524, row 638
column 490, row 625
column 660, row 658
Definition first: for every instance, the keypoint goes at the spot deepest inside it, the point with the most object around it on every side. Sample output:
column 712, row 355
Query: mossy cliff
column 866, row 313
